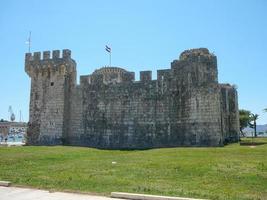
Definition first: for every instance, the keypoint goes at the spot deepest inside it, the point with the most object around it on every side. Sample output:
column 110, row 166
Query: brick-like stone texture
column 185, row 106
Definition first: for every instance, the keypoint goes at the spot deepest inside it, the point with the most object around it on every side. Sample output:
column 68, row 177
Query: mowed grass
column 230, row 172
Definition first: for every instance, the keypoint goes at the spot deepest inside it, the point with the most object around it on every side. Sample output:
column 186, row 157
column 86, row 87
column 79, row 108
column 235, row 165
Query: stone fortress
column 184, row 106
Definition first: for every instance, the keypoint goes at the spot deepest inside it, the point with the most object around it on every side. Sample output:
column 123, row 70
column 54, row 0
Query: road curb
column 134, row 196
column 5, row 183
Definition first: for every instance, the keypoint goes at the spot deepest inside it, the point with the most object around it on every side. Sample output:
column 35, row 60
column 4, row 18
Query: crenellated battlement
column 46, row 55
column 49, row 62
column 113, row 75
column 163, row 74
column 145, row 76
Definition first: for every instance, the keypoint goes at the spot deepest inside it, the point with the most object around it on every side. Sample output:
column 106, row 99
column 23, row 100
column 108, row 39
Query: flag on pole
column 108, row 49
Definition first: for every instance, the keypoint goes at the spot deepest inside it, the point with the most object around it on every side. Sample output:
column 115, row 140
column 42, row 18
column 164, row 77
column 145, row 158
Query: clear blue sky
column 143, row 34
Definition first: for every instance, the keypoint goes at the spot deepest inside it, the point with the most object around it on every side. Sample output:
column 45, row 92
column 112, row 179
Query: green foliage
column 253, row 118
column 233, row 172
column 244, row 119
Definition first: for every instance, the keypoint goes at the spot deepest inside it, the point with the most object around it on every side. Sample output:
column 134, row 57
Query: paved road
column 15, row 193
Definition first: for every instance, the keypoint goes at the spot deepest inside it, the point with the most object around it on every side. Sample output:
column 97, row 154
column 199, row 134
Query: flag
column 108, row 49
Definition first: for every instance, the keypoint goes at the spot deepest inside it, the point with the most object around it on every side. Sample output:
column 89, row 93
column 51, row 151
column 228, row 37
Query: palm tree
column 244, row 119
column 254, row 118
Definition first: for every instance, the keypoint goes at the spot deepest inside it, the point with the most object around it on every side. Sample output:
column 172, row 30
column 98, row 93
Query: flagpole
column 110, row 58
column 29, row 41
column 108, row 49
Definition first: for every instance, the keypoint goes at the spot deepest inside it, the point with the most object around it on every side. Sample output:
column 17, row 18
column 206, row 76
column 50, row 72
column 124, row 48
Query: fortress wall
column 234, row 116
column 180, row 108
column 204, row 119
column 76, row 128
column 69, row 93
column 35, row 108
column 229, row 113
column 52, row 110
column 124, row 116
column 185, row 106
column 147, row 114
column 198, row 97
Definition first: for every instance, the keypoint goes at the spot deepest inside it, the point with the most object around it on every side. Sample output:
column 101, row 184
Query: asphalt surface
column 16, row 193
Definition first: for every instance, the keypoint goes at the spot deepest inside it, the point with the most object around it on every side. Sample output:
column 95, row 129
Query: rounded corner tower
column 198, row 66
column 195, row 76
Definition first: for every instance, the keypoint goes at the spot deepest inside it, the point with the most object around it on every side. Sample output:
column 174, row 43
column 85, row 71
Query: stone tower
column 195, row 77
column 52, row 80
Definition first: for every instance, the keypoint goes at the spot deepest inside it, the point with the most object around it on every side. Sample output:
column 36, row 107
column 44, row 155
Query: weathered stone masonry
column 185, row 106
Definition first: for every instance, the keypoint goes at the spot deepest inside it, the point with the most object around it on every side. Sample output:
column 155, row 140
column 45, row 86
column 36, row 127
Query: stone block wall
column 51, row 82
column 184, row 106
column 229, row 113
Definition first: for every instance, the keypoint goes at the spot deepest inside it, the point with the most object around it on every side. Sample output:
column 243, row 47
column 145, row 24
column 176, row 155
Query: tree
column 244, row 119
column 265, row 109
column 253, row 118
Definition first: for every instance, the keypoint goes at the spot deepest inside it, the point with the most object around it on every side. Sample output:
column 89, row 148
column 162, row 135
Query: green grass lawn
column 230, row 172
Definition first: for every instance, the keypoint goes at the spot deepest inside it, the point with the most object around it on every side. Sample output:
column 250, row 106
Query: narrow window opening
column 52, row 83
